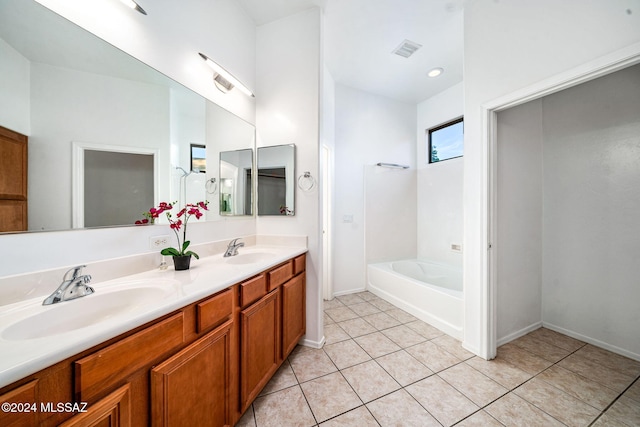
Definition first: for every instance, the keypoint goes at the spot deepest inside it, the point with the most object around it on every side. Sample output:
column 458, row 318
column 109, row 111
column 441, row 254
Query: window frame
column 437, row 128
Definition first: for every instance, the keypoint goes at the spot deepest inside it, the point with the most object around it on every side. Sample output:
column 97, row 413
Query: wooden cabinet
column 192, row 387
column 13, row 181
column 259, row 346
column 201, row 365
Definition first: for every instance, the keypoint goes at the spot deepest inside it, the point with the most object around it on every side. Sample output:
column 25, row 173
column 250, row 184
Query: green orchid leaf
column 192, row 254
column 185, row 245
column 170, row 251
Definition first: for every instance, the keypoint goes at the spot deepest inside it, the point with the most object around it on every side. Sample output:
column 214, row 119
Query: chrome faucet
column 232, row 249
column 73, row 286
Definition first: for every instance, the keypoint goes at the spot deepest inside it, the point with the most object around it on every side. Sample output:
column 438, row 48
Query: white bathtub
column 430, row 291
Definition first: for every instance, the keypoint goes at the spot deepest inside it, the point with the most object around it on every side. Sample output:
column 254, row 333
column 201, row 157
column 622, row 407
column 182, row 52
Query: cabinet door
column 259, row 346
column 27, row 393
column 293, row 313
column 192, row 387
column 114, row 410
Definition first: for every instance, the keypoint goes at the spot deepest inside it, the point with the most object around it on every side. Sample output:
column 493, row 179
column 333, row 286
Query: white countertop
column 20, row 357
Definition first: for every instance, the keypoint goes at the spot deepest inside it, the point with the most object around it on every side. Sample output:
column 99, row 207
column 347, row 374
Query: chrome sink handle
column 73, row 286
column 232, row 248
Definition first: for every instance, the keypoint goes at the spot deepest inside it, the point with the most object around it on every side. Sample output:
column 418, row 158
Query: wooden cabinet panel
column 112, row 411
column 279, row 275
column 13, row 215
column 111, row 365
column 299, row 264
column 259, row 346
column 214, row 310
column 13, row 165
column 192, row 387
column 27, row 393
column 252, row 290
column 293, row 313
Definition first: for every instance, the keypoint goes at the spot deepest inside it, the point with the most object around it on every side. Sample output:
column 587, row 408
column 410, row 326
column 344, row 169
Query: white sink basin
column 249, row 258
column 90, row 310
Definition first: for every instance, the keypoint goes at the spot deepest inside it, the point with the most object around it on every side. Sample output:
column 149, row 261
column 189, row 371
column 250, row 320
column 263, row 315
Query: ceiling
column 360, row 36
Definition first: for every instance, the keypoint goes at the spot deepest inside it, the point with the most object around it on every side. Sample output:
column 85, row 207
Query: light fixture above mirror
column 133, row 5
column 223, row 79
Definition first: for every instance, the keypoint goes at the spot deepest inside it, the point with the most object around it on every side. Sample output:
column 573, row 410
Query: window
column 446, row 141
column 198, row 158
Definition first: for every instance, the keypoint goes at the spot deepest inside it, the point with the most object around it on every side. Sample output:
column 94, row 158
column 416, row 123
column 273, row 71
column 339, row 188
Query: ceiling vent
column 406, row 48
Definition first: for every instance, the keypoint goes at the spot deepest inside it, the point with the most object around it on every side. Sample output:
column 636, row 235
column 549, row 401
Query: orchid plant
column 189, row 210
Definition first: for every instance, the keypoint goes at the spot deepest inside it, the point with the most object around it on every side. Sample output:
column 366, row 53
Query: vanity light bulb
column 133, row 5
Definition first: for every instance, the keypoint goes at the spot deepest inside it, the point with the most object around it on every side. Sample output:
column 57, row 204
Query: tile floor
column 382, row 366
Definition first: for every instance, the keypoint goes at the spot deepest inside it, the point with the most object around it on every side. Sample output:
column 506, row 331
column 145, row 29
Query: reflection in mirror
column 276, row 176
column 236, row 182
column 62, row 86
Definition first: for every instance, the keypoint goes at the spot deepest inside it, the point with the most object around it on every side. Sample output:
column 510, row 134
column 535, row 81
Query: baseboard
column 313, row 344
column 593, row 341
column 351, row 291
column 517, row 334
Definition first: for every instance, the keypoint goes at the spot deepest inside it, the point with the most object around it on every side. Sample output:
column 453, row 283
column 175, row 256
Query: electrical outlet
column 159, row 242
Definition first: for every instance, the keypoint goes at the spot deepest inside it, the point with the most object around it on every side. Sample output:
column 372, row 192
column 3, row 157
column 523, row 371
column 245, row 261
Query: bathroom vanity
column 201, row 364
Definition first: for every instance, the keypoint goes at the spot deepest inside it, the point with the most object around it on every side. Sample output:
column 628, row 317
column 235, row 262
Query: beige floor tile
column 350, row 299
column 432, row 356
column 334, row 303
column 282, row 379
column 334, row 333
column 500, row 371
column 370, row 381
column 366, row 295
column 404, row 336
column 311, row 364
column 381, row 321
column 479, row 419
column 626, row 411
column 381, row 304
column 364, row 309
column 357, row 327
column 523, row 359
column 340, row 314
column 595, row 371
column 588, row 391
column 346, row 353
column 401, row 315
column 442, row 401
column 607, row 421
column 634, row 392
column 453, row 346
column 359, row 417
column 377, row 344
column 404, row 368
column 541, row 348
column 425, row 329
column 247, row 419
column 285, row 407
column 610, row 360
column 329, row 396
column 512, row 410
column 558, row 404
column 477, row 387
column 399, row 409
column 557, row 339
column 326, row 320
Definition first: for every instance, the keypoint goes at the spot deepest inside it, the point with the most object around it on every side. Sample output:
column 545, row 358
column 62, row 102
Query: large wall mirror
column 79, row 100
column 276, row 177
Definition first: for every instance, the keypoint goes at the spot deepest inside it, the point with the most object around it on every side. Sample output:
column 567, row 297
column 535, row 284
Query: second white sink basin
column 249, row 258
column 86, row 311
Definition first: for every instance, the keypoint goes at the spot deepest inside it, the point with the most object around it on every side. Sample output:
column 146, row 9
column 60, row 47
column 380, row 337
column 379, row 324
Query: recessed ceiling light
column 435, row 72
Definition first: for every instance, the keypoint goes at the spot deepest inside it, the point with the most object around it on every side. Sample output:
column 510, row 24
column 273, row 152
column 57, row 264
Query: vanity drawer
column 280, row 274
column 214, row 310
column 252, row 290
column 299, row 264
column 102, row 370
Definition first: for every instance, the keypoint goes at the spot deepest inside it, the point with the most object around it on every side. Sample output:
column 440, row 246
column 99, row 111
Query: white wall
column 168, row 39
column 14, row 87
column 591, row 211
column 519, row 219
column 508, row 46
column 439, row 184
column 287, row 112
column 368, row 129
